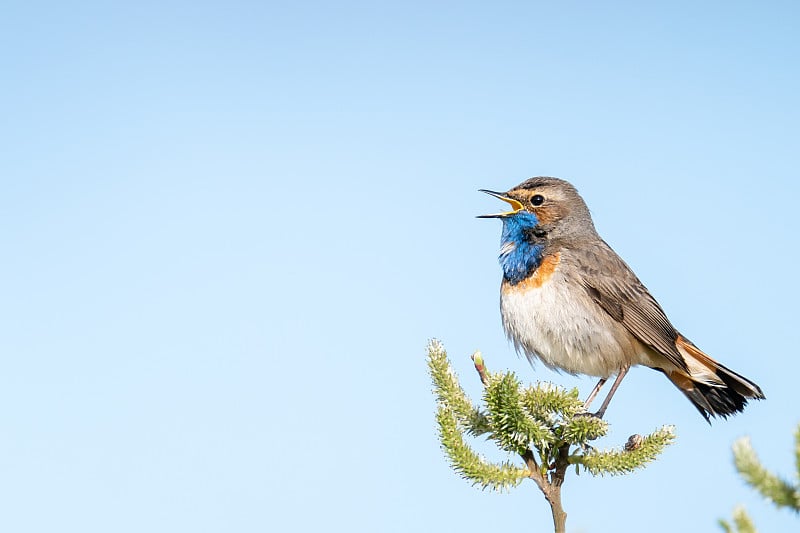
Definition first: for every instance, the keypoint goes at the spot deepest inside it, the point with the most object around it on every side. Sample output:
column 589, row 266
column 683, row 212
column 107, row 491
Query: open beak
column 515, row 205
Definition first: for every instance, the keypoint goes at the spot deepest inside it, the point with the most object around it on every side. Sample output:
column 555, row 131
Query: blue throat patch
column 518, row 256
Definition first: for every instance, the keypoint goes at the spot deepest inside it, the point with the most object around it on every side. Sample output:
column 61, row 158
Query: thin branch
column 540, row 423
column 480, row 367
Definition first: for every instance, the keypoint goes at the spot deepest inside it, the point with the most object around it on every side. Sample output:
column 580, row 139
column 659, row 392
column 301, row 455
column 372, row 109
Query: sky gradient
column 229, row 230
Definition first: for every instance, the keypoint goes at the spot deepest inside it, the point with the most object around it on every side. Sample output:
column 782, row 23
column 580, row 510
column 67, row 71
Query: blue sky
column 229, row 230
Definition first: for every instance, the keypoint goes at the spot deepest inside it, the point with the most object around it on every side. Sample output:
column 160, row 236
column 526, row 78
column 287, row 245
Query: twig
column 477, row 358
column 550, row 487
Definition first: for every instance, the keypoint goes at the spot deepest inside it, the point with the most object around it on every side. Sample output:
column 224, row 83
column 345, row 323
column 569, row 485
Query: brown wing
column 617, row 290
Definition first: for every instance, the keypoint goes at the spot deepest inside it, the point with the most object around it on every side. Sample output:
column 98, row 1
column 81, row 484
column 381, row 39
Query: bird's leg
column 602, row 411
column 594, row 392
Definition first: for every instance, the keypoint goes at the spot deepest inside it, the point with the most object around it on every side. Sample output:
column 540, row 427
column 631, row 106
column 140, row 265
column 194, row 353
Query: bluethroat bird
column 568, row 300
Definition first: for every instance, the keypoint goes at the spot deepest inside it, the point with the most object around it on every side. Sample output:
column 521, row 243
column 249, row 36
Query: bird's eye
column 537, row 199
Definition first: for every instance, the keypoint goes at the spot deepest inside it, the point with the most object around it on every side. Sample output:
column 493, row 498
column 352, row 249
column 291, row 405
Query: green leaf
column 448, row 391
column 547, row 402
column 544, row 420
column 741, row 521
column 582, row 429
column 616, row 462
column 469, row 464
column 797, row 453
column 513, row 428
column 778, row 490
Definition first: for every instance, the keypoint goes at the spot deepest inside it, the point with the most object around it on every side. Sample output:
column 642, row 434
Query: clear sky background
column 229, row 230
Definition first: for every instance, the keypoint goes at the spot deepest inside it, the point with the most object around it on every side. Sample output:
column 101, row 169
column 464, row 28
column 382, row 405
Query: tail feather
column 713, row 389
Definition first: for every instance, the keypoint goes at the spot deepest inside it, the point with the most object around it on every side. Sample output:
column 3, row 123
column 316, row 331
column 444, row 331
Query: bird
column 568, row 300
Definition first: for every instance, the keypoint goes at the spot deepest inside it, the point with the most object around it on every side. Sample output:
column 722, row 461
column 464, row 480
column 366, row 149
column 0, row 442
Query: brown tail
column 713, row 389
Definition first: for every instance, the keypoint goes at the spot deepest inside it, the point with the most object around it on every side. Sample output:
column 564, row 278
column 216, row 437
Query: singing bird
column 568, row 300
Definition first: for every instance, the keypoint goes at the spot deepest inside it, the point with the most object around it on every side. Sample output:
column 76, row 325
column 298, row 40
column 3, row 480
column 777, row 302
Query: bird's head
column 547, row 207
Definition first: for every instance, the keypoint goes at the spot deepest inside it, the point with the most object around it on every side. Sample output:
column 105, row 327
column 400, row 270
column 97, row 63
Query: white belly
column 563, row 328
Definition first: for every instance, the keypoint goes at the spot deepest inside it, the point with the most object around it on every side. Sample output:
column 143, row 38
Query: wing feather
column 616, row 289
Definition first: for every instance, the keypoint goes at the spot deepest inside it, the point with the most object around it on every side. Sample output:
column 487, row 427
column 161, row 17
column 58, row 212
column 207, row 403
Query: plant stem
column 551, row 488
column 559, row 515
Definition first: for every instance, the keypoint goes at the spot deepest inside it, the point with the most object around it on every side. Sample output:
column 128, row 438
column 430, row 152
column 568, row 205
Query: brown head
column 559, row 209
